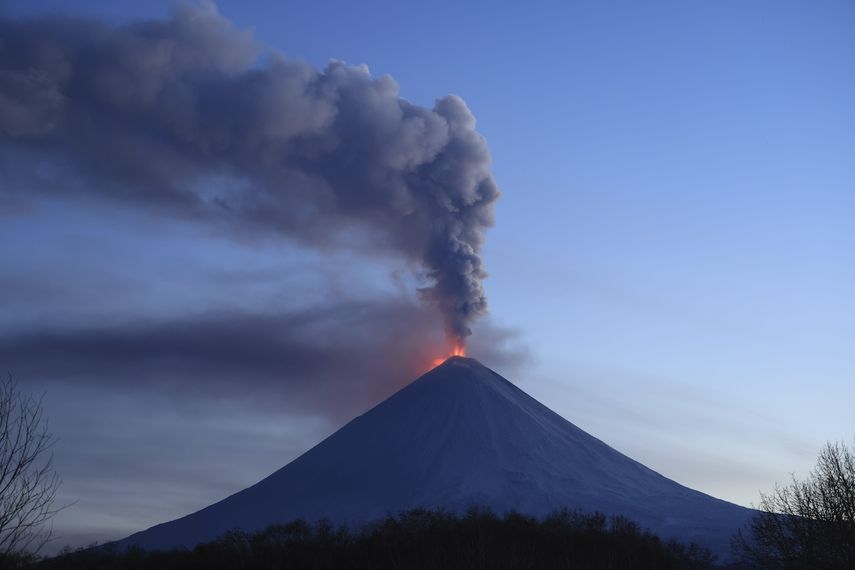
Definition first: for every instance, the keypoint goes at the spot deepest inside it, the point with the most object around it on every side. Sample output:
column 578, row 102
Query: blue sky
column 674, row 244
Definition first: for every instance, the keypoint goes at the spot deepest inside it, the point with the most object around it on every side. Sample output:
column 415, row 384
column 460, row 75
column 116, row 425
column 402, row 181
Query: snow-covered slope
column 460, row 435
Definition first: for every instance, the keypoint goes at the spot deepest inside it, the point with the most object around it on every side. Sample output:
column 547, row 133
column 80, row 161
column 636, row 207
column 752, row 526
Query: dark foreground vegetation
column 809, row 523
column 419, row 539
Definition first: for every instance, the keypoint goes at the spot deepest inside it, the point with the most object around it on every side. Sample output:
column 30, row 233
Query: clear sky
column 673, row 249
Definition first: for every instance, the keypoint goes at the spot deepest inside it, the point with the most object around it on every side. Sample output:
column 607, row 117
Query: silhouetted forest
column 418, row 539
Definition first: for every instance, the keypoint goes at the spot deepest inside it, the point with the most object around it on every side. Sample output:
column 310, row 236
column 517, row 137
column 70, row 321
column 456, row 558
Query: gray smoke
column 189, row 116
column 294, row 361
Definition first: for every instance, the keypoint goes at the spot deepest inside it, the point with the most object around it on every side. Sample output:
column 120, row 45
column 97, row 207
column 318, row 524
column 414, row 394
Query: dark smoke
column 189, row 116
column 300, row 360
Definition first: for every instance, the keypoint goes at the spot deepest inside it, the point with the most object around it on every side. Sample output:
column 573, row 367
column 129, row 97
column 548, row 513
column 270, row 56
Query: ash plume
column 297, row 360
column 189, row 116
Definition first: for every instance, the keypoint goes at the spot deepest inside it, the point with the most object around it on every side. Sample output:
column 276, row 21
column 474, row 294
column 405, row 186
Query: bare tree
column 809, row 523
column 28, row 482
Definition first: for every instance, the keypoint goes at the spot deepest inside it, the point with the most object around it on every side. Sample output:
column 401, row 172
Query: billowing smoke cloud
column 189, row 116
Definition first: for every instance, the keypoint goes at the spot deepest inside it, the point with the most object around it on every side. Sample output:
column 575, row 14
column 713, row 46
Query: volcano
column 459, row 436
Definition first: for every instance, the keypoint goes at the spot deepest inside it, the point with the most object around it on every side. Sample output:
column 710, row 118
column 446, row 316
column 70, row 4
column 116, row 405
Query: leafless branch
column 28, row 481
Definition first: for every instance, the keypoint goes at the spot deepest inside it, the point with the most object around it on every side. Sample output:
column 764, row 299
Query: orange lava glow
column 457, row 350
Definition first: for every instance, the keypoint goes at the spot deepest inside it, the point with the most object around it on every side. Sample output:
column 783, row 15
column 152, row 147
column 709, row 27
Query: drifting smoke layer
column 297, row 361
column 189, row 116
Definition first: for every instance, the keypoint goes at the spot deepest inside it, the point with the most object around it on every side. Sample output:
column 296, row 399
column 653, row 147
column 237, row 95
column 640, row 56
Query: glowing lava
column 458, row 350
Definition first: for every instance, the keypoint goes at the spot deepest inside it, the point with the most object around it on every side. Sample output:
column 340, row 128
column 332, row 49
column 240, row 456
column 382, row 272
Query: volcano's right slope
column 461, row 435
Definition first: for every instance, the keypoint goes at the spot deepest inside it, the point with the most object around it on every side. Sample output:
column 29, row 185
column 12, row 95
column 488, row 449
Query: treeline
column 418, row 539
